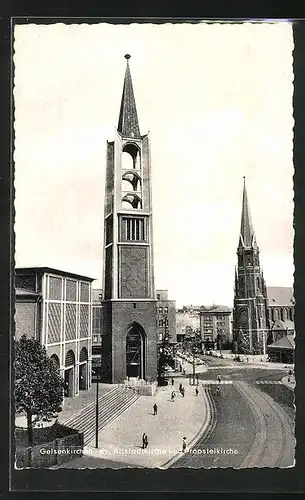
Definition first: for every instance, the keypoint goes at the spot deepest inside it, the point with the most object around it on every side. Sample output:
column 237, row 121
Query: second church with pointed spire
column 129, row 343
column 250, row 294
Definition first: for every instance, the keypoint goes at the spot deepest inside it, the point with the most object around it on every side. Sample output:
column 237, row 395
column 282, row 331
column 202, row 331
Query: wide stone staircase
column 111, row 406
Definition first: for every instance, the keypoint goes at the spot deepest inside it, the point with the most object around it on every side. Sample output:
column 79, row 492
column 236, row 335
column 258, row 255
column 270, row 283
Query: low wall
column 147, row 390
column 56, row 452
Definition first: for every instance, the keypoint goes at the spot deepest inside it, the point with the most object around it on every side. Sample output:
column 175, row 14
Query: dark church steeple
column 250, row 301
column 247, row 236
column 128, row 124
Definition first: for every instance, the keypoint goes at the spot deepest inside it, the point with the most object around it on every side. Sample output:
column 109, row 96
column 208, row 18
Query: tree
column 38, row 384
column 243, row 343
column 258, row 345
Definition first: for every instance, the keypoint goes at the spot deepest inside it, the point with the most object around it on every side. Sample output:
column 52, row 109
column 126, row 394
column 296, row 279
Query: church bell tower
column 250, row 297
column 129, row 340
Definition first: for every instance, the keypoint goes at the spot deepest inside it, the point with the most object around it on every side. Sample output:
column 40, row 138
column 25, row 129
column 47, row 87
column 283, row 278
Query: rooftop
column 283, row 325
column 43, row 270
column 280, row 296
column 286, row 342
column 215, row 309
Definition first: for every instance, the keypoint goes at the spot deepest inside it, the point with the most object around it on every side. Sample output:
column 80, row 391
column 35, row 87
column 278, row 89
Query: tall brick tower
column 250, row 297
column 129, row 340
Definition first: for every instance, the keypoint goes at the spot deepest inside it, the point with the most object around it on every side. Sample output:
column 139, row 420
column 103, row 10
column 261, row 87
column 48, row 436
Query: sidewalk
column 266, row 365
column 122, row 440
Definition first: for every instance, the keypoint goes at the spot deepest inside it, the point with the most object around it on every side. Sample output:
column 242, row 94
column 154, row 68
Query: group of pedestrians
column 155, row 412
column 145, row 442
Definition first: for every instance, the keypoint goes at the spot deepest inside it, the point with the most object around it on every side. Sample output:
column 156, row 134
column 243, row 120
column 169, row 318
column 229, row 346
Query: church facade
column 129, row 341
column 250, row 324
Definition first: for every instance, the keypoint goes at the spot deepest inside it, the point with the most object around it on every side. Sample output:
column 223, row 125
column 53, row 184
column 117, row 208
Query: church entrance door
column 135, row 353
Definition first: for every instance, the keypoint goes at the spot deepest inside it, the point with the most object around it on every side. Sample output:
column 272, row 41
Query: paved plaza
column 206, row 420
column 122, row 440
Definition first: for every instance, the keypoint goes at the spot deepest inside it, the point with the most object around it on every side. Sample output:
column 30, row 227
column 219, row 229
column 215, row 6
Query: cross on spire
column 128, row 124
column 247, row 236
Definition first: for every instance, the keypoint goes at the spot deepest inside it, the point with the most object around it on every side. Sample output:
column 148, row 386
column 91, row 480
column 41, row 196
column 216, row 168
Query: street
column 254, row 416
column 249, row 423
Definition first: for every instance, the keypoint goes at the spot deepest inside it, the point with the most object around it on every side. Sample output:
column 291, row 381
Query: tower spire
column 128, row 124
column 247, row 236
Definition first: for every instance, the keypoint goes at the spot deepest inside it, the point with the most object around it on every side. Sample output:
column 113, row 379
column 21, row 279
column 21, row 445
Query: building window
column 55, row 288
column 133, row 229
column 165, row 310
column 84, row 292
column 160, row 322
column 160, row 310
column 158, row 296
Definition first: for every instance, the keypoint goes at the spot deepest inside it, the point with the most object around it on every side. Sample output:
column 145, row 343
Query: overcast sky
column 217, row 100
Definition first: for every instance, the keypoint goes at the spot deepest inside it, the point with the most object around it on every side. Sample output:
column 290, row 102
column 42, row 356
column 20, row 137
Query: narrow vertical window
column 138, row 229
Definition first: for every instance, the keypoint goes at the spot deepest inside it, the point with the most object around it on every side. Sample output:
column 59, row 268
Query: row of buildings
column 65, row 314
column 211, row 321
column 121, row 327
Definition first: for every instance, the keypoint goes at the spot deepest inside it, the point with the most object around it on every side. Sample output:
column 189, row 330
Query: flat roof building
column 54, row 307
column 166, row 317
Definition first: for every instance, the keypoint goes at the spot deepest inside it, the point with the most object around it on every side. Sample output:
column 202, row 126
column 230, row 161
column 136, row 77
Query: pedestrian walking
column 196, row 391
column 180, row 387
column 155, row 407
column 183, row 444
column 172, row 381
column 173, row 396
column 217, row 391
column 182, row 391
column 219, row 379
column 144, row 440
column 183, row 371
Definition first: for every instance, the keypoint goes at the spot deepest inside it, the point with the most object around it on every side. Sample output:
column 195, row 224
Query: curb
column 207, row 426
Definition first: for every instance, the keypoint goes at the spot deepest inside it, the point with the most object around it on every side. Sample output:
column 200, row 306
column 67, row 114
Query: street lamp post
column 97, row 407
column 194, row 368
column 194, row 363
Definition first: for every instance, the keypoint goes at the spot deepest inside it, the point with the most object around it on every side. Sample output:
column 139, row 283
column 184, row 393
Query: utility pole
column 194, row 364
column 264, row 343
column 97, row 407
column 194, row 370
